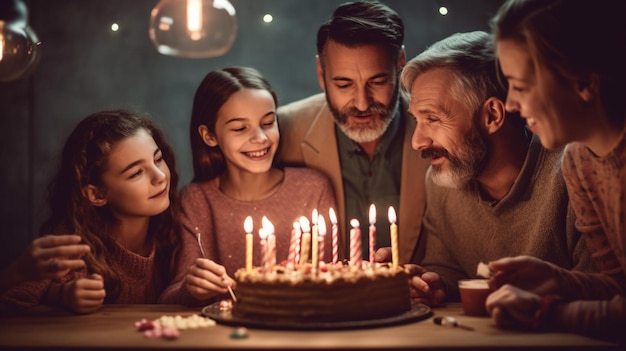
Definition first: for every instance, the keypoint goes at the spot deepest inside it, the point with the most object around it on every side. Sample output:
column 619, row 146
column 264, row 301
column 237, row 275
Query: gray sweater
column 461, row 229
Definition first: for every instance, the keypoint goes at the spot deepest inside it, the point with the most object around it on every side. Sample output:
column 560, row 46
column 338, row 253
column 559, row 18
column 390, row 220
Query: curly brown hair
column 84, row 155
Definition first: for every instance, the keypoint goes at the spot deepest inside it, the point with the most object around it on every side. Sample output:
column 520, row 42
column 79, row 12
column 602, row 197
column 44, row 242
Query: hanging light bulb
column 193, row 28
column 19, row 45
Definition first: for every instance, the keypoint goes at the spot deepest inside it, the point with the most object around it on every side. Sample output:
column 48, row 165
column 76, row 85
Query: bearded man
column 358, row 132
column 492, row 190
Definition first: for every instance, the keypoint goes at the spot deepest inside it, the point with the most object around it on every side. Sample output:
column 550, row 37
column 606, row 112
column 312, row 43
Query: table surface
column 113, row 327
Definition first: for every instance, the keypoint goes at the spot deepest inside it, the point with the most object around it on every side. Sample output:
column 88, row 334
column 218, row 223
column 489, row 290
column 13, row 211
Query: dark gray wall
column 85, row 68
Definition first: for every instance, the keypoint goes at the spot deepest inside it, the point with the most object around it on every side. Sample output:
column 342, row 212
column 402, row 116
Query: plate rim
column 417, row 312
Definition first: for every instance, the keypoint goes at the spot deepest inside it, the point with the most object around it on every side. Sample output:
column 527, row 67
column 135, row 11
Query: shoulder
column 574, row 157
column 542, row 163
column 305, row 175
column 303, row 179
column 195, row 191
column 306, row 106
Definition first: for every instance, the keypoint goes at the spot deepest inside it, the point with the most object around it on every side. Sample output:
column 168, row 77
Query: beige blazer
column 307, row 138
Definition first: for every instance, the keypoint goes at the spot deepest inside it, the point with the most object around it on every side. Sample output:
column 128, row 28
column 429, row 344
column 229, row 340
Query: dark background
column 85, row 67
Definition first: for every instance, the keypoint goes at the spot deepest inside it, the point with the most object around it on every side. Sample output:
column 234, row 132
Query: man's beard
column 365, row 132
column 465, row 167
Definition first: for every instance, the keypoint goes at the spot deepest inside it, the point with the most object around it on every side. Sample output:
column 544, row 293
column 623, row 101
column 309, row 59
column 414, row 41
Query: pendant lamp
column 193, row 28
column 19, row 45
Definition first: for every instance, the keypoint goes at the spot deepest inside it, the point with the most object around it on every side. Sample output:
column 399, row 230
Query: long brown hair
column 84, row 155
column 574, row 40
column 212, row 93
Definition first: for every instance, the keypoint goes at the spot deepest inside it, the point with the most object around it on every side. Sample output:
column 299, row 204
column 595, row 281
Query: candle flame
column 268, row 226
column 372, row 214
column 247, row 225
column 314, row 216
column 321, row 224
column 354, row 223
column 332, row 215
column 262, row 233
column 392, row 215
column 305, row 225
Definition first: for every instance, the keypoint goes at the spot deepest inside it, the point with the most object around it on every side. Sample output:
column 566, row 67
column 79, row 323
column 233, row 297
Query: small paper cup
column 474, row 293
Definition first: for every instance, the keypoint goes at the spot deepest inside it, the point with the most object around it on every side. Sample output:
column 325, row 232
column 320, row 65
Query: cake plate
column 417, row 312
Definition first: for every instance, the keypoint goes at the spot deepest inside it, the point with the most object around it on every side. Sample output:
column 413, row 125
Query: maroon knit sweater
column 135, row 272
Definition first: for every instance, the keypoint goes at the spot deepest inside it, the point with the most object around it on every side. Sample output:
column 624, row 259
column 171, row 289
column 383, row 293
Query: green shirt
column 372, row 181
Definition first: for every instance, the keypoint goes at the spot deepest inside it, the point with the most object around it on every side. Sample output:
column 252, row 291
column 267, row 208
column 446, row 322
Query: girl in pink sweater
column 566, row 78
column 234, row 137
column 116, row 189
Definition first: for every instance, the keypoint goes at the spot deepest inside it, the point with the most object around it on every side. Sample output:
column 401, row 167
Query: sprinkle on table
column 239, row 333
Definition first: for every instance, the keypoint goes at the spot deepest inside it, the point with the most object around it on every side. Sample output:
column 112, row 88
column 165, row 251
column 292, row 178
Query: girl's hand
column 84, row 295
column 207, row 279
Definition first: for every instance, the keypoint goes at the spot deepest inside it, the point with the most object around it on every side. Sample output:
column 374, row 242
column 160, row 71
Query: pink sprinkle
column 170, row 333
column 144, row 324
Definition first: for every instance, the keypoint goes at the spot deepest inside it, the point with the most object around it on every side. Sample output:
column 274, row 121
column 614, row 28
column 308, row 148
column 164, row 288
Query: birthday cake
column 333, row 293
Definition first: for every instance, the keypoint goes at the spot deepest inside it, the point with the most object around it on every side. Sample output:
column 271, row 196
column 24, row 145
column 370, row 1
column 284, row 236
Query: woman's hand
column 512, row 307
column 527, row 273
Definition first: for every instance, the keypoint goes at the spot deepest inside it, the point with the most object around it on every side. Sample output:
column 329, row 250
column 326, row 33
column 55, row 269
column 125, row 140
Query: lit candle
column 321, row 223
column 263, row 236
column 314, row 239
column 294, row 245
column 335, row 236
column 372, row 232
column 271, row 243
column 306, row 241
column 355, row 244
column 247, row 227
column 393, row 232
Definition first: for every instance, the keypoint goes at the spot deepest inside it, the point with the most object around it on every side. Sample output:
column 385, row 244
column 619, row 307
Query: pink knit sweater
column 218, row 220
column 597, row 188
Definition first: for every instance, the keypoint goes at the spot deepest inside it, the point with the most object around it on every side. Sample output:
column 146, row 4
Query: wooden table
column 112, row 327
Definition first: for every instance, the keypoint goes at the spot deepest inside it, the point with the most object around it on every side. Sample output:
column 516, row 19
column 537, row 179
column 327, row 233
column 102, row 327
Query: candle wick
column 200, row 242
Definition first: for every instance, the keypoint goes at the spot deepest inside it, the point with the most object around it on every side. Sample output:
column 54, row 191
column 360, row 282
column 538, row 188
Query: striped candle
column 314, row 239
column 294, row 245
column 264, row 250
column 335, row 235
column 306, row 241
column 271, row 242
column 372, row 232
column 321, row 224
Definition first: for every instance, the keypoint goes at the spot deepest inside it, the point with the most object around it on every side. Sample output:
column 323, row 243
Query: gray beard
column 464, row 168
column 364, row 134
column 371, row 131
